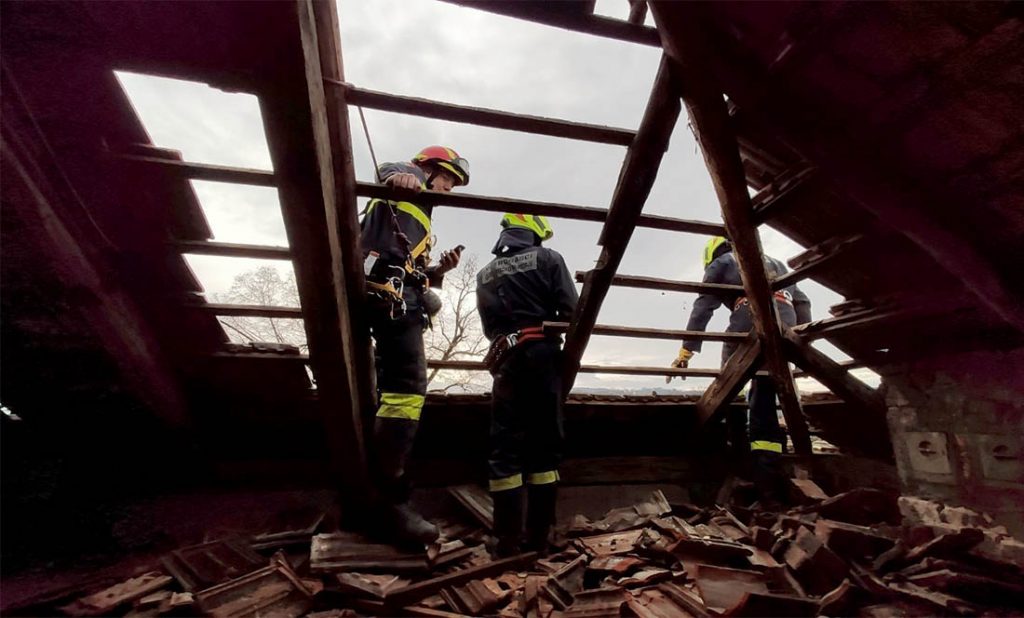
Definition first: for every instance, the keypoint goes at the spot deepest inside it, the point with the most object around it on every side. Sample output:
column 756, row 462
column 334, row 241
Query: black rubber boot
column 540, row 516
column 508, row 522
column 398, row 522
column 768, row 479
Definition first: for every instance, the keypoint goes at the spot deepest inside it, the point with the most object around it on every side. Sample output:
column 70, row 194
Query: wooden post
column 738, row 370
column 709, row 117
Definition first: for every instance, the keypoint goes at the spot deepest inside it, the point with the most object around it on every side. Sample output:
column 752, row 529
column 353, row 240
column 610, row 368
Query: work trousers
column 401, row 385
column 765, row 433
column 526, row 417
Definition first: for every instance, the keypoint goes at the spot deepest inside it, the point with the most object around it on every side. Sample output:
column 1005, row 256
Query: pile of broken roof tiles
column 863, row 552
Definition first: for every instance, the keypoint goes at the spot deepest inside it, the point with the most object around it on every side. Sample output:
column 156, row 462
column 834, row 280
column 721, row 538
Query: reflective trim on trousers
column 509, row 482
column 543, row 478
column 766, row 445
column 400, row 405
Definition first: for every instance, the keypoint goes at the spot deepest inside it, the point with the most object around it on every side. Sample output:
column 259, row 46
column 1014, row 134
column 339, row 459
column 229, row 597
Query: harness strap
column 781, row 296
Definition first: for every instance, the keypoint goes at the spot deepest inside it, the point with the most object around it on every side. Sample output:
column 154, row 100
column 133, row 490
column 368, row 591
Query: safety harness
column 504, row 344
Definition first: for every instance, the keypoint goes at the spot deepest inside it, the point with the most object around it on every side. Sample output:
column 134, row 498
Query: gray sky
column 448, row 53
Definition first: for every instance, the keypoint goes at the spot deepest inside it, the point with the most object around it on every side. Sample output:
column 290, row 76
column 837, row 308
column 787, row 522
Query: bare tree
column 264, row 286
column 456, row 332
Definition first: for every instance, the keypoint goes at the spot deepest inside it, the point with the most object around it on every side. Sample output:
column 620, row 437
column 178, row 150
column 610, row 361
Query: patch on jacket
column 500, row 267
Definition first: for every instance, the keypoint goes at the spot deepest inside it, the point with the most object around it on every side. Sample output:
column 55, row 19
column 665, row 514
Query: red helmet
column 447, row 159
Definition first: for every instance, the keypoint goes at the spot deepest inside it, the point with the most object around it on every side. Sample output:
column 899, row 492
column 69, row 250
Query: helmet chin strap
column 433, row 176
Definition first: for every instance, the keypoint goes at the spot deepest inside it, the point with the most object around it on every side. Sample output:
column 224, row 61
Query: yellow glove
column 681, row 362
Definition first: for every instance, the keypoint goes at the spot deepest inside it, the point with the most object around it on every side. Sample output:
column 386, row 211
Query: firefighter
column 767, row 438
column 396, row 240
column 523, row 286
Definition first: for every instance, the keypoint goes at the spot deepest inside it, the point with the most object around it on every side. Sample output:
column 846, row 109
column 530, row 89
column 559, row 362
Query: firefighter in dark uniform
column 395, row 237
column 525, row 285
column 767, row 438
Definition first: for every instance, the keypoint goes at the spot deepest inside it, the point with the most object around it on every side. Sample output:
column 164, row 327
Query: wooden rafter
column 648, row 333
column 667, row 285
column 310, row 183
column 709, row 116
column 814, row 259
column 230, row 249
column 639, row 170
column 486, row 117
column 548, row 209
column 833, row 375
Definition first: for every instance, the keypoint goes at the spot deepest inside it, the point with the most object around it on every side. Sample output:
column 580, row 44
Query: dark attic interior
column 152, row 465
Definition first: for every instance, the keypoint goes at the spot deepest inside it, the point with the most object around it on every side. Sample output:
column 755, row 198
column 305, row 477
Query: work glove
column 681, row 362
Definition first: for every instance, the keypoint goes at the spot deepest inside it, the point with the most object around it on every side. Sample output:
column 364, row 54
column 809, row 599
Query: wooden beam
column 636, row 178
column 738, row 370
column 548, row 209
column 397, row 597
column 865, row 318
column 485, row 117
column 709, row 116
column 833, row 375
column 205, row 171
column 248, row 311
column 668, row 285
column 300, row 140
column 648, row 333
column 814, row 259
column 229, row 249
column 542, row 12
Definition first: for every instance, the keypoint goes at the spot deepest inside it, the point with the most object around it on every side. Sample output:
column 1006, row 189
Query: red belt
column 779, row 296
column 533, row 333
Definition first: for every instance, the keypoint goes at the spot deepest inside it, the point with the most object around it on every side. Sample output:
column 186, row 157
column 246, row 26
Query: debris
column 816, row 566
column 477, row 501
column 273, row 590
column 722, row 589
column 343, row 551
column 862, row 506
column 624, row 518
column 597, row 603
column 106, row 601
column 405, row 595
column 948, row 544
column 372, row 585
column 850, row 541
column 200, row 566
column 611, row 543
column 292, row 528
column 806, row 491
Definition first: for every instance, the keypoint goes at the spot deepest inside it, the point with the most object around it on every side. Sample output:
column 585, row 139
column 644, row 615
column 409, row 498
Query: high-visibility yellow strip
column 765, row 445
column 543, row 478
column 509, row 482
column 400, row 405
column 414, row 211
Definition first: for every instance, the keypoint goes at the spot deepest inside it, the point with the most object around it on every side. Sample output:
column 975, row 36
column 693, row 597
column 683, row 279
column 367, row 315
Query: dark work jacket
column 524, row 285
column 377, row 232
column 724, row 269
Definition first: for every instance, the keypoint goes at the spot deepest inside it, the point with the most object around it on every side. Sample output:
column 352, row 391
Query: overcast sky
column 439, row 51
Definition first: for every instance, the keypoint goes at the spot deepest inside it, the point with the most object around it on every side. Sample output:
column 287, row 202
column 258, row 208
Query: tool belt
column 781, row 296
column 501, row 346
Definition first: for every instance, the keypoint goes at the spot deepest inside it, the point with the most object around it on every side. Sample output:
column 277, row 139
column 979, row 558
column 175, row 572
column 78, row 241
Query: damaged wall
column 957, row 424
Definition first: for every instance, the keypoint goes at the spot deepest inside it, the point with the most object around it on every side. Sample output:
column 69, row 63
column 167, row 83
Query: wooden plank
column 249, row 311
column 668, row 285
column 205, row 171
column 738, row 370
column 636, row 178
column 229, row 249
column 485, row 117
column 814, row 259
column 397, row 597
column 648, row 333
column 637, row 12
column 540, row 11
column 709, row 117
column 344, row 219
column 916, row 210
column 295, row 119
column 833, row 375
column 548, row 209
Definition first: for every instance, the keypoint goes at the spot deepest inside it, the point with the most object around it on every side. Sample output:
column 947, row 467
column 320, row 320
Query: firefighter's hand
column 449, row 260
column 681, row 362
column 404, row 181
